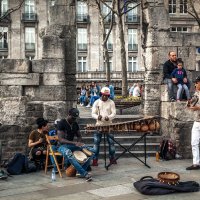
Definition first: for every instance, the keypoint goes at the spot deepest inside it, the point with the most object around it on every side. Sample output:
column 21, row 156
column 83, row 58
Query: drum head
column 80, row 156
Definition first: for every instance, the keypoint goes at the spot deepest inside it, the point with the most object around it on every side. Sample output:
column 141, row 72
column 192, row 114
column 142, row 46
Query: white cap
column 105, row 91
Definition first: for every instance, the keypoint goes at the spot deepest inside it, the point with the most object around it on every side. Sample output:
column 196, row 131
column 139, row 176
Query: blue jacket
column 180, row 74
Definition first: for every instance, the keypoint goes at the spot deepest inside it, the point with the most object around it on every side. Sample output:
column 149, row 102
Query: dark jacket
column 168, row 68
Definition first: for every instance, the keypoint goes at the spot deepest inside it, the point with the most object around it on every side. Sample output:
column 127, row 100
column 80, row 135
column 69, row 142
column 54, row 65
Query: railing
column 82, row 47
column 132, row 18
column 29, row 17
column 30, row 46
column 133, row 47
column 88, row 76
column 82, row 18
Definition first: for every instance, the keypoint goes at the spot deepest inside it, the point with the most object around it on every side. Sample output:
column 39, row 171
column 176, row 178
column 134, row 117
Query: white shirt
column 105, row 109
column 136, row 91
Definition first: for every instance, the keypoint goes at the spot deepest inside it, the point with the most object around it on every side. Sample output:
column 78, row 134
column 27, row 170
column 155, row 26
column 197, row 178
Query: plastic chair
column 54, row 154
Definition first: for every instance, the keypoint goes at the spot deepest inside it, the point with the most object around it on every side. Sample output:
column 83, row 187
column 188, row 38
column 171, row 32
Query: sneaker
column 95, row 162
column 88, row 106
column 113, row 161
column 172, row 99
column 193, row 167
column 88, row 178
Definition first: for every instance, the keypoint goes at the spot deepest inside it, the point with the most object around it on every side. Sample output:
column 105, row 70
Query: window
column 132, row 64
column 172, row 6
column 132, row 40
column 29, row 9
column 107, row 12
column 82, row 11
column 179, row 29
column 110, row 63
column 82, row 39
column 3, row 38
column 4, row 6
column 29, row 38
column 132, row 14
column 82, row 64
column 110, row 41
column 3, row 57
column 183, row 6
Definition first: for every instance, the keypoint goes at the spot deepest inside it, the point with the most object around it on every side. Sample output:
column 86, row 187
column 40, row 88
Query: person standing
column 195, row 135
column 104, row 112
column 67, row 129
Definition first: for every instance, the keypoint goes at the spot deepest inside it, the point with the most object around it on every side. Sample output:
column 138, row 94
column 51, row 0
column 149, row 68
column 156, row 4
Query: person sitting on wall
column 112, row 90
column 37, row 142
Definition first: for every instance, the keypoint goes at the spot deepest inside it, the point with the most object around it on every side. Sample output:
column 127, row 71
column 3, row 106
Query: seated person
column 83, row 95
column 68, row 129
column 94, row 94
column 37, row 142
column 112, row 91
column 179, row 77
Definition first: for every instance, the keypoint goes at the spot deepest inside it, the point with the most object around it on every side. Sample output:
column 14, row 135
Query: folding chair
column 54, row 154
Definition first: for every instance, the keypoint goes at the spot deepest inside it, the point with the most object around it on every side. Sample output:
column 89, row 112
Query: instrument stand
column 128, row 149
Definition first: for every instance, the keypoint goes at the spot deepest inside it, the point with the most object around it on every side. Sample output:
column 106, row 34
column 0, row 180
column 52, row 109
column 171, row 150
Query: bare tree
column 194, row 10
column 9, row 11
column 122, row 7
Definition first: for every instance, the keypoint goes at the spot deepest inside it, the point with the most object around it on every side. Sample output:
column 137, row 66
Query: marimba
column 143, row 125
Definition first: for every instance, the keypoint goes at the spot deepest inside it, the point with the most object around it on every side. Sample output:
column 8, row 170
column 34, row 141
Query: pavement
column 116, row 183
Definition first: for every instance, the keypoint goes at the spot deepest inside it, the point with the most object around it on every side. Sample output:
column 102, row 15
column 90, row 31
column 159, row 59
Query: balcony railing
column 91, row 75
column 29, row 17
column 133, row 47
column 3, row 46
column 82, row 47
column 82, row 18
column 132, row 18
column 30, row 46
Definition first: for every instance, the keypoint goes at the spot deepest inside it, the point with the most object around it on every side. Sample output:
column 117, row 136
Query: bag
column 167, row 150
column 3, row 175
column 150, row 186
column 29, row 165
column 15, row 164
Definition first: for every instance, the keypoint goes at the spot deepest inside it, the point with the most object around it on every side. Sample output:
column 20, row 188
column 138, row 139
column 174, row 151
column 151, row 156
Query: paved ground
column 114, row 184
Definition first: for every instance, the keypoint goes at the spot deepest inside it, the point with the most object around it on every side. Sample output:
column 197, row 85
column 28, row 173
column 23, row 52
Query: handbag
column 149, row 186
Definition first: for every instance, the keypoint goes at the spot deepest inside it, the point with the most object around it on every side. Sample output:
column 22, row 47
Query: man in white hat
column 104, row 111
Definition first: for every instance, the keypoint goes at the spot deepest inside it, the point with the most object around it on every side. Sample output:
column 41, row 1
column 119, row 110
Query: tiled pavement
column 114, row 184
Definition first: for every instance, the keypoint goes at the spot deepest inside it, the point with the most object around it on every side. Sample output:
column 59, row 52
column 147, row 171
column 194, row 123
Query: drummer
column 67, row 129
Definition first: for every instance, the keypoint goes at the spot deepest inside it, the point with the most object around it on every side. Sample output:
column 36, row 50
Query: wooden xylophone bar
column 145, row 124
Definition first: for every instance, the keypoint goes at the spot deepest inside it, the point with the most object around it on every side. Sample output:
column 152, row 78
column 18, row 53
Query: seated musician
column 104, row 111
column 67, row 129
column 37, row 142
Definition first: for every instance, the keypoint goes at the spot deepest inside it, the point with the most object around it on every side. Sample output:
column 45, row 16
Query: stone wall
column 39, row 88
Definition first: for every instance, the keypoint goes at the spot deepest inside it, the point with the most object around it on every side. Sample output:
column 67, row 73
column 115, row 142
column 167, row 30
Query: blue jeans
column 67, row 152
column 97, row 141
column 93, row 99
column 180, row 89
column 170, row 85
column 55, row 148
column 82, row 99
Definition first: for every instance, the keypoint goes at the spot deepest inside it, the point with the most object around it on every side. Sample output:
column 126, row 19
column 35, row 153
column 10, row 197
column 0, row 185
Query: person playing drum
column 104, row 111
column 67, row 129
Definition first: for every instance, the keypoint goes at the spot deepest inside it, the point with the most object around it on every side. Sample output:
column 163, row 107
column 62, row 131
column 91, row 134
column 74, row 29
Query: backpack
column 29, row 165
column 167, row 150
column 15, row 164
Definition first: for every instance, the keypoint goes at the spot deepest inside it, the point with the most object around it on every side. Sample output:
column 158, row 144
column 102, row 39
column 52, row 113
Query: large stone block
column 152, row 92
column 48, row 66
column 153, row 77
column 46, row 93
column 14, row 66
column 19, row 79
column 54, row 79
column 53, row 47
column 188, row 55
column 11, row 91
column 56, row 30
column 152, row 108
column 164, row 93
column 165, row 110
column 13, row 111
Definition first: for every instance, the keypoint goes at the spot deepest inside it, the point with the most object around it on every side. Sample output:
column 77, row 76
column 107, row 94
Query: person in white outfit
column 136, row 91
column 104, row 111
column 195, row 135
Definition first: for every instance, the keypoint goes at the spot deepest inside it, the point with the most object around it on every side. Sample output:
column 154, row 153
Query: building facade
column 20, row 35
